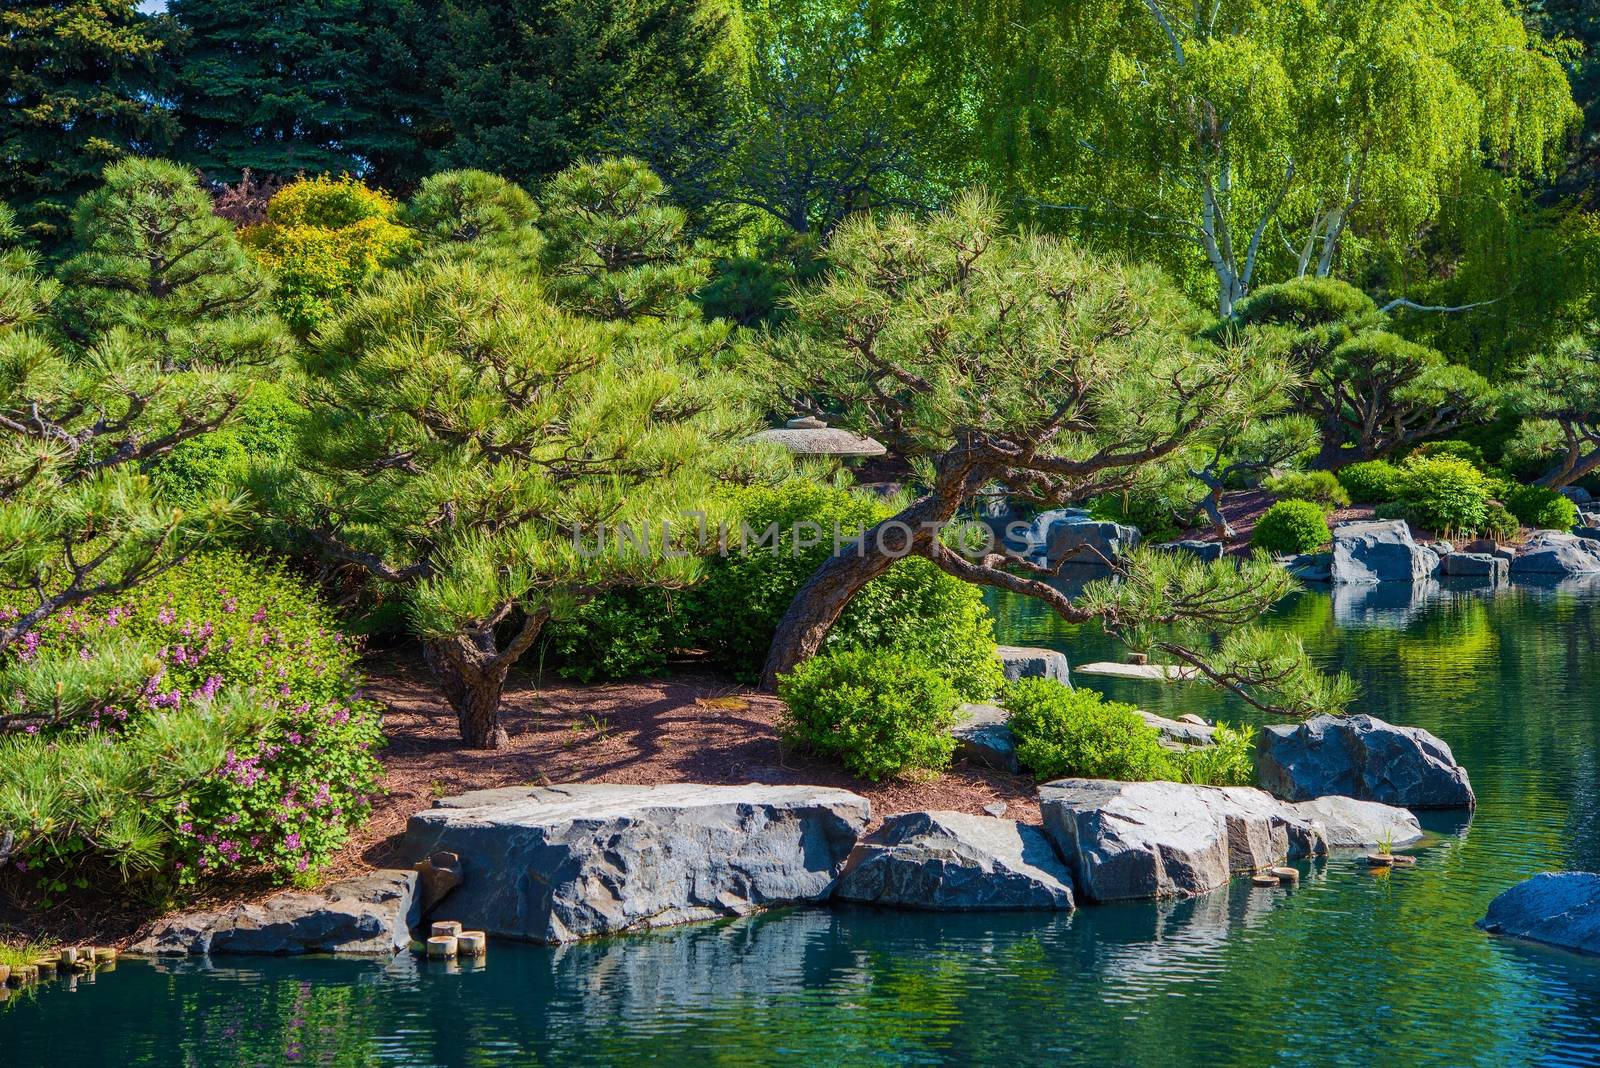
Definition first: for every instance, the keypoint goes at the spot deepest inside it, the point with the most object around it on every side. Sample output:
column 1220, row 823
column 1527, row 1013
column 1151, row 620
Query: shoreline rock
column 953, row 861
column 1379, row 551
column 368, row 915
column 1361, row 757
column 561, row 863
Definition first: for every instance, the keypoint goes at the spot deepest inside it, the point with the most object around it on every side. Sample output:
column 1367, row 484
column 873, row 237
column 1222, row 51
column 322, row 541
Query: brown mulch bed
column 690, row 727
column 1244, row 508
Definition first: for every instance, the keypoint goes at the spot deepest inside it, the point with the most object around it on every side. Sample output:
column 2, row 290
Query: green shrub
column 623, row 634
column 265, row 430
column 1062, row 732
column 1148, row 509
column 1292, row 527
column 1459, row 450
column 1541, row 507
column 878, row 713
column 914, row 607
column 1498, row 523
column 1444, row 494
column 1229, row 761
column 1371, row 481
column 1319, row 487
column 238, row 721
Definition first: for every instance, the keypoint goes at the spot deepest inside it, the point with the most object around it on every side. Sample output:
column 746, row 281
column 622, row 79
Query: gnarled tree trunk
column 471, row 672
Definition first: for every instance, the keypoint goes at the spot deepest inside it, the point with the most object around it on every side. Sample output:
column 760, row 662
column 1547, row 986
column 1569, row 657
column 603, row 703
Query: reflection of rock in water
column 1176, row 937
column 1382, row 604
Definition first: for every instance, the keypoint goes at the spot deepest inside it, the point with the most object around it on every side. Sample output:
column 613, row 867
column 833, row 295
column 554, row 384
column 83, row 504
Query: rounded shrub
column 788, row 531
column 235, row 704
column 1371, row 481
column 624, row 634
column 1318, row 487
column 1063, row 732
column 877, row 713
column 1541, row 507
column 1292, row 527
column 1444, row 494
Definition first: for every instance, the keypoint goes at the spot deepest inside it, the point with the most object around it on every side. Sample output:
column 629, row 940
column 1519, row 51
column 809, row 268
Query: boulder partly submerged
column 1135, row 840
column 1361, row 757
column 1381, row 551
column 1551, row 554
column 956, row 861
column 369, row 915
column 1027, row 662
column 560, row 863
column 1556, row 908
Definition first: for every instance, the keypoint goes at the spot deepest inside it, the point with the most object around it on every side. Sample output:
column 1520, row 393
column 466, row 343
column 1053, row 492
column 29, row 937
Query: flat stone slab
column 1361, row 757
column 1148, row 672
column 1555, row 908
column 955, row 861
column 560, row 863
column 983, row 736
column 1132, row 841
column 1351, row 824
column 1027, row 662
column 369, row 915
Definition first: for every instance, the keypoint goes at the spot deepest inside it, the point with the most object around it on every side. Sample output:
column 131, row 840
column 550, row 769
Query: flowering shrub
column 234, row 676
column 323, row 238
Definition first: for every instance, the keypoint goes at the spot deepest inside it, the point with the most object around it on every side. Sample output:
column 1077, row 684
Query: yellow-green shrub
column 323, row 238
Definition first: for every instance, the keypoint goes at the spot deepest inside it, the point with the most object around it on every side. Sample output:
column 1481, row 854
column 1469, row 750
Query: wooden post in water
column 474, row 944
column 442, row 947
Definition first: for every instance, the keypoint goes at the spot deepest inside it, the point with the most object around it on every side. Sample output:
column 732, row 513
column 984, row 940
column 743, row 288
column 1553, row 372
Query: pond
column 1350, row 968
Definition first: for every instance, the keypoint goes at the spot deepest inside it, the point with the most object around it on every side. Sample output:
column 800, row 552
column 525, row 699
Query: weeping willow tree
column 983, row 357
column 1247, row 140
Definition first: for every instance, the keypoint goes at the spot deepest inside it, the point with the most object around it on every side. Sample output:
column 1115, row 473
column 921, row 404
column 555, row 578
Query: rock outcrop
column 370, row 915
column 1129, row 841
column 984, row 737
column 954, row 861
column 1351, row 824
column 1204, row 551
column 560, row 863
column 1178, row 734
column 1555, row 908
column 1381, row 551
column 1551, row 554
column 1026, row 662
column 1072, row 536
column 1487, row 566
column 1361, row 757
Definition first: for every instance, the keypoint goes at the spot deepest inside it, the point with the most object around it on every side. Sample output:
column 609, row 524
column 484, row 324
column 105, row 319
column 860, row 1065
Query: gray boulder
column 1206, row 551
column 560, row 863
column 950, row 860
column 1555, row 908
column 1074, row 536
column 1026, row 662
column 1589, row 533
column 1178, row 734
column 1551, row 554
column 1351, row 824
column 1382, row 551
column 1361, row 757
column 1135, row 840
column 1309, row 567
column 984, row 737
column 370, row 915
column 1577, row 495
column 1495, row 569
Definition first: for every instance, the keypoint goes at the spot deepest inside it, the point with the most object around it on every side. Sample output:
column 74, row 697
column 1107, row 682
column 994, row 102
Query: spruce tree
column 77, row 79
column 284, row 86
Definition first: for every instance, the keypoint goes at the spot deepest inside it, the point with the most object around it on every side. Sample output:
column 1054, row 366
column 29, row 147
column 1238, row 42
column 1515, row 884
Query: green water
column 1348, row 969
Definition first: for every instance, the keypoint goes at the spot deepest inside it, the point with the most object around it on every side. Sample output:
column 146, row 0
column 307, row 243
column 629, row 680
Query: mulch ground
column 690, row 727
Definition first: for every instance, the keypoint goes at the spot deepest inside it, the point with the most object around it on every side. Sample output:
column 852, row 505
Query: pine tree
column 160, row 332
column 472, row 439
column 77, row 80
column 284, row 86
